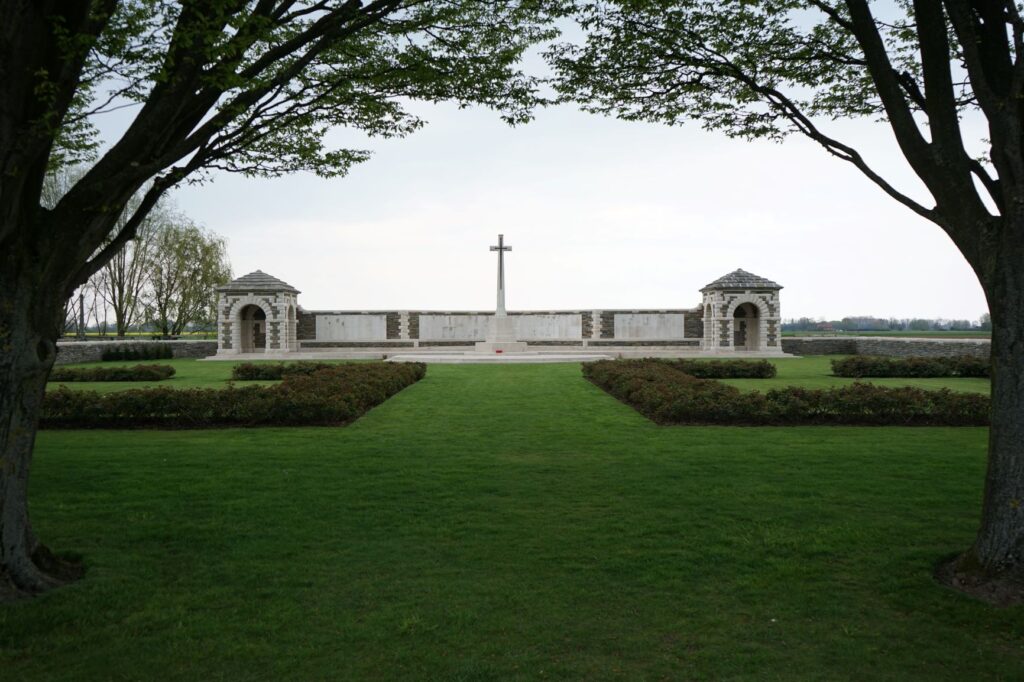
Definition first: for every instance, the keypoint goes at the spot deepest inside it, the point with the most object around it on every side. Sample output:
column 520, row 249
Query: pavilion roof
column 741, row 279
column 258, row 281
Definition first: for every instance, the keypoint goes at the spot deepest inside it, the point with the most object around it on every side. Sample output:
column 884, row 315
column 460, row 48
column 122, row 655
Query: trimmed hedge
column 332, row 396
column 248, row 371
column 725, row 369
column 668, row 396
column 859, row 366
column 138, row 351
column 135, row 373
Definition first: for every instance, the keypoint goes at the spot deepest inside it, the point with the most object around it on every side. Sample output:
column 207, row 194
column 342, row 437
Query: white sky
column 600, row 214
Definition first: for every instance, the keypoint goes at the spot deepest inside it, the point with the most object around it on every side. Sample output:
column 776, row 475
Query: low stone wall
column 69, row 352
column 885, row 345
column 814, row 345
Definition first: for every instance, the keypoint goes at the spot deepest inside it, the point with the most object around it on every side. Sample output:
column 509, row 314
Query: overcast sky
column 600, row 214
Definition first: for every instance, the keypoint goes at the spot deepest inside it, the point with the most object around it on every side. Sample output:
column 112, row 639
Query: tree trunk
column 28, row 334
column 993, row 568
column 1000, row 543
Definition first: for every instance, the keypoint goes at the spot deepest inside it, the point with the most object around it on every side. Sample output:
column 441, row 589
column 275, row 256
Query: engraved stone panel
column 550, row 326
column 636, row 326
column 442, row 327
column 351, row 327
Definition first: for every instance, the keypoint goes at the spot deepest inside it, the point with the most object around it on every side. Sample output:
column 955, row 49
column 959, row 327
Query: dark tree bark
column 29, row 326
column 31, row 298
column 999, row 546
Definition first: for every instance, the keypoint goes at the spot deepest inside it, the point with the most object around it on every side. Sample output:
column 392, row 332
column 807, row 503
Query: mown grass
column 815, row 371
column 510, row 522
column 189, row 373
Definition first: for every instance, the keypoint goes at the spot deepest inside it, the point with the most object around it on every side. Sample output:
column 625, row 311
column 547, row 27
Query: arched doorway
column 746, row 327
column 253, row 323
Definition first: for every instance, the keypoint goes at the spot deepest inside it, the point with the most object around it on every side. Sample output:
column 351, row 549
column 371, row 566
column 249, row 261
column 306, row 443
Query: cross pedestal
column 501, row 336
column 501, row 332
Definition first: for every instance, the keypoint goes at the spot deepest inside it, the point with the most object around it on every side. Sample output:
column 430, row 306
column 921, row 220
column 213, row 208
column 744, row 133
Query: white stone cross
column 501, row 249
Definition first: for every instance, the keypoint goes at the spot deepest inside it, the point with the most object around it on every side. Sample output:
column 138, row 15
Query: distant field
column 921, row 335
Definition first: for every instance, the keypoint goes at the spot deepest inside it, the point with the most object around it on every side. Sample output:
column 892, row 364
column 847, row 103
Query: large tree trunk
column 28, row 334
column 993, row 568
column 1000, row 543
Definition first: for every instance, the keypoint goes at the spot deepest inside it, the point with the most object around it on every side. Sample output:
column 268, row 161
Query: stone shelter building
column 741, row 313
column 257, row 313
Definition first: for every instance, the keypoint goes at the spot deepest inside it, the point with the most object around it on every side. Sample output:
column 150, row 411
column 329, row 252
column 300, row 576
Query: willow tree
column 248, row 86
column 924, row 68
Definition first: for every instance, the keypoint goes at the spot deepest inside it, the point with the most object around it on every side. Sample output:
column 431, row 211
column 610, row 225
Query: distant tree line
column 163, row 281
column 880, row 324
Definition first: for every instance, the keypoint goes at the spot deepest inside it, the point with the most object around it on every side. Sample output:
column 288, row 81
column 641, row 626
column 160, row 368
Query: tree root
column 46, row 571
column 963, row 574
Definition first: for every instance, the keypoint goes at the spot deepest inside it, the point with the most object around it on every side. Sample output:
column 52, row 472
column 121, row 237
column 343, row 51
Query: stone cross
column 501, row 249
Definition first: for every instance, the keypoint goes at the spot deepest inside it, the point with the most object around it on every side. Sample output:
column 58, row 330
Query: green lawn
column 189, row 373
column 815, row 371
column 509, row 522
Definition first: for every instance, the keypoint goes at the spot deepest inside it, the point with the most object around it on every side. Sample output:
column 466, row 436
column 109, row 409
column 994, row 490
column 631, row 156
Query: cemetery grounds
column 511, row 523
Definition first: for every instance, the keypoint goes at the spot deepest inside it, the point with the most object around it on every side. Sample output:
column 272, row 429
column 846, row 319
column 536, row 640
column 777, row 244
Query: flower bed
column 250, row 371
column 334, row 395
column 725, row 369
column 135, row 373
column 140, row 351
column 859, row 366
column 667, row 395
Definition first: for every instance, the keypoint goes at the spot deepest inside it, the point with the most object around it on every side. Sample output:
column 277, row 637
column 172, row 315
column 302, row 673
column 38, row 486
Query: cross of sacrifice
column 501, row 249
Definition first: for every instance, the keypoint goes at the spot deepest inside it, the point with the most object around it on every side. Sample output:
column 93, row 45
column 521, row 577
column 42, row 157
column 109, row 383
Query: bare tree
column 122, row 281
column 185, row 266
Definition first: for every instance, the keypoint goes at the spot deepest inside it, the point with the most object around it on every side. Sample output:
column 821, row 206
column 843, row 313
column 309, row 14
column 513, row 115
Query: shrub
column 331, row 396
column 136, row 373
column 665, row 394
column 249, row 371
column 726, row 369
column 138, row 351
column 859, row 366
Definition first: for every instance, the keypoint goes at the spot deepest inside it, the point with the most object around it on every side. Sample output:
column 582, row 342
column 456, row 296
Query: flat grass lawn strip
column 510, row 523
column 189, row 373
column 815, row 371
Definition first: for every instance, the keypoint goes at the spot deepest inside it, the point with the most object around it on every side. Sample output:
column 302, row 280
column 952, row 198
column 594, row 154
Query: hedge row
column 136, row 373
column 248, row 371
column 140, row 351
column 332, row 396
column 669, row 396
column 725, row 369
column 858, row 366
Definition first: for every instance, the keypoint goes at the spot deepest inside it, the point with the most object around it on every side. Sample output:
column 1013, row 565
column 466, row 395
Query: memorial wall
column 337, row 328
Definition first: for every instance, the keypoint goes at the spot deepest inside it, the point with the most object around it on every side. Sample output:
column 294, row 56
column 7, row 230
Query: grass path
column 494, row 523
